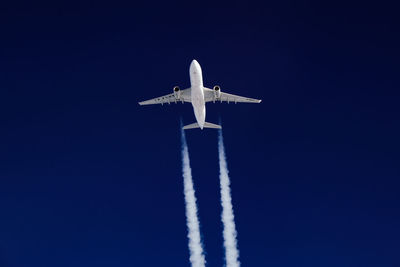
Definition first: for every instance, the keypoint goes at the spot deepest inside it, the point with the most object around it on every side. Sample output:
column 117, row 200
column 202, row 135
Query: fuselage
column 197, row 93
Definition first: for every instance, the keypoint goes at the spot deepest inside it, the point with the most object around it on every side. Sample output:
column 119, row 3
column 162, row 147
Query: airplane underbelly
column 197, row 91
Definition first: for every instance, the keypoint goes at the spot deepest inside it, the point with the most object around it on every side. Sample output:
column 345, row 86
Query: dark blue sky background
column 90, row 178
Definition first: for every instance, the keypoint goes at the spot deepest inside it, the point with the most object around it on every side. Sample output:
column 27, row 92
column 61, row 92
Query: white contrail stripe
column 227, row 217
column 195, row 246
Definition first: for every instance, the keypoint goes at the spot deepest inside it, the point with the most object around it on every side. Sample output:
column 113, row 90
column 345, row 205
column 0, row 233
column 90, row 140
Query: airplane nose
column 194, row 66
column 194, row 63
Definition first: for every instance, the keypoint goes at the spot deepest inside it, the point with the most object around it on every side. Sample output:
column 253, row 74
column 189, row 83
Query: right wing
column 209, row 97
column 184, row 97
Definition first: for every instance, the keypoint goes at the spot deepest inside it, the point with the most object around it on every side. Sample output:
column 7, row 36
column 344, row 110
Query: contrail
column 192, row 221
column 229, row 233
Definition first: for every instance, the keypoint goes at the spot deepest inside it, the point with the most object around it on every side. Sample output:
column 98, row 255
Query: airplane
column 198, row 95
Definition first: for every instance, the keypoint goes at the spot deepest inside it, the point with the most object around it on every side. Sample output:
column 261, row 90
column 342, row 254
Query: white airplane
column 198, row 95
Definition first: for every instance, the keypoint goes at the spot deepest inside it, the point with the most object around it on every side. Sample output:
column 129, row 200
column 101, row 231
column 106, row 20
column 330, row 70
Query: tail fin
column 206, row 125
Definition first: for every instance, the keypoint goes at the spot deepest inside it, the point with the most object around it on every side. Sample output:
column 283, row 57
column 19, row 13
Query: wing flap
column 225, row 97
column 168, row 99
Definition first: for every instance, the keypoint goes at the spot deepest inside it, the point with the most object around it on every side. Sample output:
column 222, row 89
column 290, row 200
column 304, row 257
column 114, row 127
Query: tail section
column 212, row 125
column 206, row 125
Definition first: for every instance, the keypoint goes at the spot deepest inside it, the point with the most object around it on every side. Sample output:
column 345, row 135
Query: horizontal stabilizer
column 206, row 125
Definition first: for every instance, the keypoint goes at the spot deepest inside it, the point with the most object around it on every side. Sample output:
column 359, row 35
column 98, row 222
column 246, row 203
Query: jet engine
column 177, row 92
column 217, row 92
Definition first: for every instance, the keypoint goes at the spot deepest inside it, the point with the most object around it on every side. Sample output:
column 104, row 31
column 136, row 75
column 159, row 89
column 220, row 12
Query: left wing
column 209, row 96
column 168, row 99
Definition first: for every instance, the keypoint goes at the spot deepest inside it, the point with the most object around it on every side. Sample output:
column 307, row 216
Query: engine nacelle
column 217, row 92
column 177, row 92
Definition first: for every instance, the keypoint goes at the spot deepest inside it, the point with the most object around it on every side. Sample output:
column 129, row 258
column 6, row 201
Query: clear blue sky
column 90, row 178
